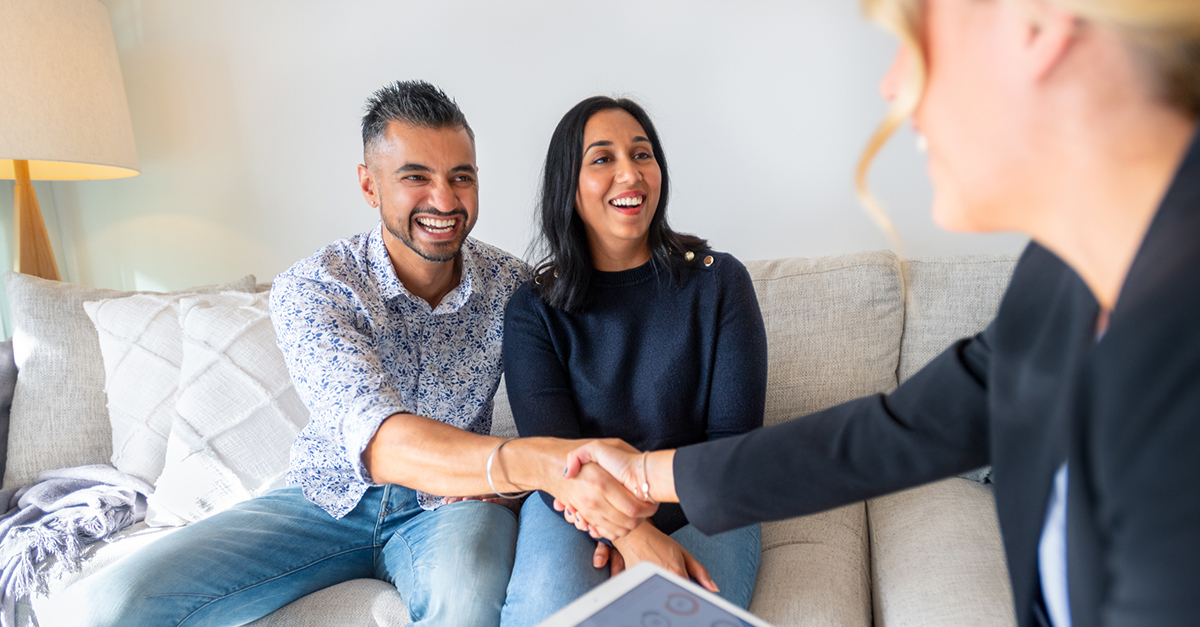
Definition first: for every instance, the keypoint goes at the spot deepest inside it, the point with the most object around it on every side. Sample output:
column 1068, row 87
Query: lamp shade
column 62, row 100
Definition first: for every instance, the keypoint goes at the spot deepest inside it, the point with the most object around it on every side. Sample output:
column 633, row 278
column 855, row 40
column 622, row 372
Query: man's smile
column 435, row 225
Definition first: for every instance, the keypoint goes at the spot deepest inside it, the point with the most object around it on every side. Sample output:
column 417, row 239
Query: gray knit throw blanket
column 58, row 516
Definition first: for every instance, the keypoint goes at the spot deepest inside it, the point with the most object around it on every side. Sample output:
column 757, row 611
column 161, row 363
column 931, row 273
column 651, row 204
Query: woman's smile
column 629, row 203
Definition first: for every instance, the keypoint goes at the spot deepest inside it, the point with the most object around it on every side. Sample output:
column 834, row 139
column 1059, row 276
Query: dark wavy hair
column 564, row 271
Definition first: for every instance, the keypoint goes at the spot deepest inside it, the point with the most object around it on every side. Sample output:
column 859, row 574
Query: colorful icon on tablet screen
column 682, row 605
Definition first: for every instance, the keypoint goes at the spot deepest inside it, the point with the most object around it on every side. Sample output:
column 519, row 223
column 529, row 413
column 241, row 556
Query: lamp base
column 34, row 254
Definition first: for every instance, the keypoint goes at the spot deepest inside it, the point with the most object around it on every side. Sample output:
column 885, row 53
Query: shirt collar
column 390, row 287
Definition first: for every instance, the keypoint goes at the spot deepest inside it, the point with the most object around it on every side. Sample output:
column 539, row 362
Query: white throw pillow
column 59, row 416
column 237, row 411
column 142, row 346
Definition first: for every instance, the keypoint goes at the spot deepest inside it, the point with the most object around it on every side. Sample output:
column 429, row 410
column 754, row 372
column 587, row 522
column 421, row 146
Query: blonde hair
column 1165, row 35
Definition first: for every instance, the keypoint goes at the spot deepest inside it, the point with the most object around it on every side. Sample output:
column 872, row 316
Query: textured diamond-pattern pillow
column 142, row 346
column 238, row 411
column 59, row 416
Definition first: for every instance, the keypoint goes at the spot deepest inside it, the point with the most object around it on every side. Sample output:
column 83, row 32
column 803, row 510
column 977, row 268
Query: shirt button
column 708, row 261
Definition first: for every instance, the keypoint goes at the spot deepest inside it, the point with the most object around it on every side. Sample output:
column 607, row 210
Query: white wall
column 247, row 116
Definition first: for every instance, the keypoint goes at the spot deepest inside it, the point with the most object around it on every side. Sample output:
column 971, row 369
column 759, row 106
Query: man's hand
column 647, row 543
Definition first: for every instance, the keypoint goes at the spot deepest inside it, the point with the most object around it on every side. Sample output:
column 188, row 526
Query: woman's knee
column 732, row 559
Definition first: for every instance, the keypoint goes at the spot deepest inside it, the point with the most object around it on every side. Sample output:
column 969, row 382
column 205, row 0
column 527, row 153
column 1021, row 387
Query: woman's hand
column 621, row 460
column 512, row 504
column 606, row 555
column 611, row 510
column 649, row 477
column 647, row 543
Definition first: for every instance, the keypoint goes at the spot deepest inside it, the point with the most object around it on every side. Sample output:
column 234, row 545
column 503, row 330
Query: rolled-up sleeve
column 334, row 364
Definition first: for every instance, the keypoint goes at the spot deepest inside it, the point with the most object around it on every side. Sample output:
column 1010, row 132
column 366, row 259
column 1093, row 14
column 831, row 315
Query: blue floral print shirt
column 360, row 347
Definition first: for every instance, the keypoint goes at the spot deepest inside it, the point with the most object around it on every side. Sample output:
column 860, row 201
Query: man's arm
column 339, row 375
column 434, row 457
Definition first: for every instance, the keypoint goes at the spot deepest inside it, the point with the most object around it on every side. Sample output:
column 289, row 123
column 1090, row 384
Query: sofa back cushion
column 833, row 332
column 8, row 383
column 833, row 329
column 59, row 415
column 948, row 299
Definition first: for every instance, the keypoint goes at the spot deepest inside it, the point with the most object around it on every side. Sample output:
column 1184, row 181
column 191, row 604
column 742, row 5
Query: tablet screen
column 657, row 602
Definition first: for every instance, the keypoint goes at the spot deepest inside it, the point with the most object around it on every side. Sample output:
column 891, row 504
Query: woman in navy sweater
column 629, row 330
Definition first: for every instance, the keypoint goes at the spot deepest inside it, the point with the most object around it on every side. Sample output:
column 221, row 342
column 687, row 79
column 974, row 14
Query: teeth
column 628, row 201
column 436, row 223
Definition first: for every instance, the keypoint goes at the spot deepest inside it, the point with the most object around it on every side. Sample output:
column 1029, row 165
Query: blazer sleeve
column 934, row 425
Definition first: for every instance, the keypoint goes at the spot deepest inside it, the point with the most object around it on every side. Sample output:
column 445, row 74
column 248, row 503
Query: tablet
column 650, row 596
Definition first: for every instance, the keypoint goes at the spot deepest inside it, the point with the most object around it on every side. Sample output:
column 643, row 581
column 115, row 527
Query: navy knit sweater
column 655, row 362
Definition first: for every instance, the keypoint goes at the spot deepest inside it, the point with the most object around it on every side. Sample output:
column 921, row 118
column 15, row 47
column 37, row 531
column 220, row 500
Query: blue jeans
column 554, row 563
column 451, row 565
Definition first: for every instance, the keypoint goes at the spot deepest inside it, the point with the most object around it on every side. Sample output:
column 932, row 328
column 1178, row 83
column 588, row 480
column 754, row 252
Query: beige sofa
column 837, row 327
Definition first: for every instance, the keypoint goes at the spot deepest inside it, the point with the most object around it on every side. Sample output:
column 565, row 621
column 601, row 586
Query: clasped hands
column 599, row 493
column 606, row 505
column 627, row 466
column 620, row 461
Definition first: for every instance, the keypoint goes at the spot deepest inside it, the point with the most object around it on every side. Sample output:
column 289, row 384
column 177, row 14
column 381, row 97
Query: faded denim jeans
column 450, row 565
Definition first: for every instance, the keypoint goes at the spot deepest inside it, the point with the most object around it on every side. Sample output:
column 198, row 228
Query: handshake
column 609, row 487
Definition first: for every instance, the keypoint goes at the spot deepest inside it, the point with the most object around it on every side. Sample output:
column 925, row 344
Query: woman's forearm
column 660, row 475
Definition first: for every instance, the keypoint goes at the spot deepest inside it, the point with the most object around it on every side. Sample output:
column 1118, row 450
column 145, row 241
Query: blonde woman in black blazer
column 1071, row 121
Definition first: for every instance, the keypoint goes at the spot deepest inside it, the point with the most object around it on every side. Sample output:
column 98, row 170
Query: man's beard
column 440, row 253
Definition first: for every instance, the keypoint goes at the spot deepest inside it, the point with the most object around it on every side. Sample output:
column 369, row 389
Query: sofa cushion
column 238, row 412
column 937, row 558
column 59, row 415
column 949, row 299
column 355, row 603
column 142, row 346
column 503, row 425
column 815, row 570
column 833, row 329
column 8, row 383
column 833, row 332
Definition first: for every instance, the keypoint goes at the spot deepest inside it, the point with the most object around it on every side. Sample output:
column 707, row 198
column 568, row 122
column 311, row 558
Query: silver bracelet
column 645, row 480
column 492, row 458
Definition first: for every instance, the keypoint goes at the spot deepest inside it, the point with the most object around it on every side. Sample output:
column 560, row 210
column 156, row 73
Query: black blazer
column 1031, row 391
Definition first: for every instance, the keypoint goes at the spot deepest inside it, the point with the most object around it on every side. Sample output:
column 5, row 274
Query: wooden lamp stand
column 34, row 255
